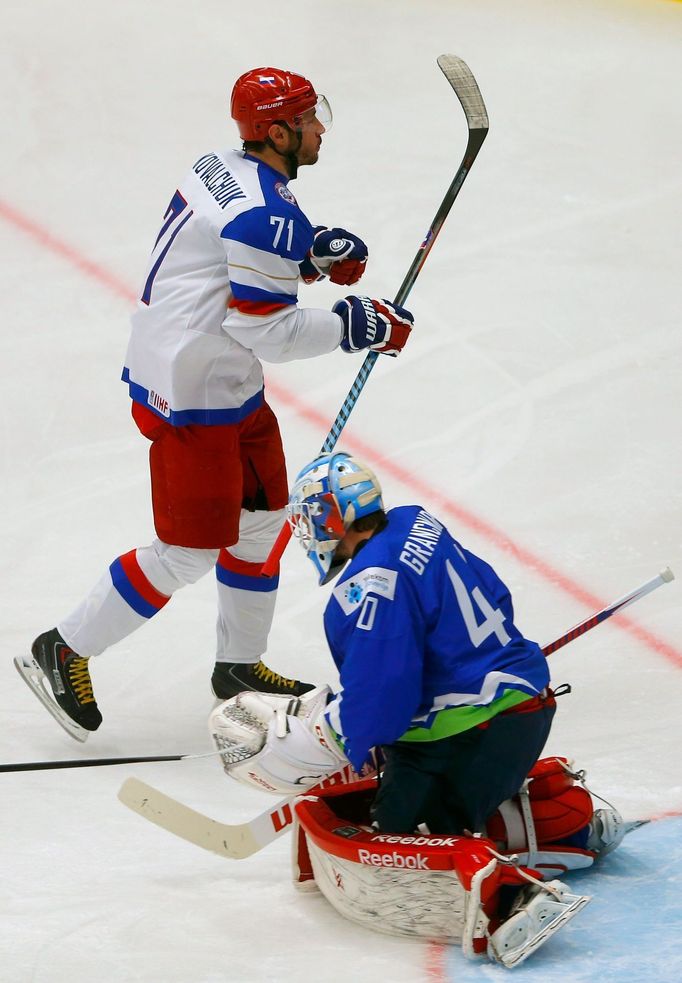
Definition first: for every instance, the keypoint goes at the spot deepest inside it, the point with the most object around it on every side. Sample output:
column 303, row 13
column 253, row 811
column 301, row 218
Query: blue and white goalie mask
column 328, row 496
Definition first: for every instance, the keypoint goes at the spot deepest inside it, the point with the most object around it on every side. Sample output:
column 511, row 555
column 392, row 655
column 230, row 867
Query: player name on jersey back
column 219, row 181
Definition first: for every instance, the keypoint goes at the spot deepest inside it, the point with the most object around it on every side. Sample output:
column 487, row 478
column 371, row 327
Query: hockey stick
column 664, row 577
column 461, row 79
column 234, row 841
column 100, row 762
column 244, row 839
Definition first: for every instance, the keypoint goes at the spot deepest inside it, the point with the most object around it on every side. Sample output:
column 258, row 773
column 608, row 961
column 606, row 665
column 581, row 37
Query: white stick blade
column 461, row 78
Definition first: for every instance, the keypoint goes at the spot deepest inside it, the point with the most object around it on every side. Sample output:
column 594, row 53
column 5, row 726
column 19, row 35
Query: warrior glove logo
column 368, row 308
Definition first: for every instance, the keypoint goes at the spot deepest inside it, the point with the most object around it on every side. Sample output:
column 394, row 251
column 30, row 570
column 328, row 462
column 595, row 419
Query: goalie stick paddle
column 233, row 841
column 460, row 77
column 244, row 839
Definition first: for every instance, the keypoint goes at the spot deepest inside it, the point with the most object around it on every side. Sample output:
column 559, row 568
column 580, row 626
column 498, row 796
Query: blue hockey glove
column 376, row 324
column 335, row 253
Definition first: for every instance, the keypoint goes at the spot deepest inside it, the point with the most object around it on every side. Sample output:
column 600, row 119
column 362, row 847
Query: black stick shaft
column 89, row 762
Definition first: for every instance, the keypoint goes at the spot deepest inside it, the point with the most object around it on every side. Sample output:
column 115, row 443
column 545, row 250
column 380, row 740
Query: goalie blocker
column 457, row 889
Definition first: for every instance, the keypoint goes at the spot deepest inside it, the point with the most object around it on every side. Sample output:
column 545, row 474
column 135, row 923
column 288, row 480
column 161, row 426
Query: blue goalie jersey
column 422, row 633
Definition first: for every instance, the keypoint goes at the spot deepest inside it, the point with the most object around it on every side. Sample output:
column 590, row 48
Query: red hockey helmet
column 264, row 95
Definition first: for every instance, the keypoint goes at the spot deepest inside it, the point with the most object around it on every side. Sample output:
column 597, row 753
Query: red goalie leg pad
column 557, row 818
column 559, row 807
column 548, row 777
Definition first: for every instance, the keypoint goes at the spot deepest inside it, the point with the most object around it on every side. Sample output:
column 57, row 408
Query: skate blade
column 516, row 956
column 34, row 677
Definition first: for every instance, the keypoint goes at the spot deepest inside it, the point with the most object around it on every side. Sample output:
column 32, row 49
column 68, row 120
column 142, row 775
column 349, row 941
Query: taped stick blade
column 461, row 78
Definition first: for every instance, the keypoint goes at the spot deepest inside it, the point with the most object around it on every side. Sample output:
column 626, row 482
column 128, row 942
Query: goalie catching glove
column 275, row 742
column 335, row 253
column 376, row 324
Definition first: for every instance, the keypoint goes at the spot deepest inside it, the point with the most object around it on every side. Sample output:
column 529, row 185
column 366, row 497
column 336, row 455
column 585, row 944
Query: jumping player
column 219, row 294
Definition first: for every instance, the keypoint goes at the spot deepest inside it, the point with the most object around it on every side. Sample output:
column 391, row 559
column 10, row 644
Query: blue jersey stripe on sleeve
column 243, row 292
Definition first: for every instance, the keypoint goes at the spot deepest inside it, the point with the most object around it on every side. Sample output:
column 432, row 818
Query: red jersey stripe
column 139, row 581
column 260, row 308
column 229, row 562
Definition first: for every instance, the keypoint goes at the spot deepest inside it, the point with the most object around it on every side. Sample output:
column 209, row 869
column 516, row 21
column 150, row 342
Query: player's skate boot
column 535, row 916
column 69, row 679
column 230, row 678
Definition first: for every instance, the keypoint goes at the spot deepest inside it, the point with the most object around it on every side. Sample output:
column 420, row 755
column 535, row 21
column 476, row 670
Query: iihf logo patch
column 284, row 192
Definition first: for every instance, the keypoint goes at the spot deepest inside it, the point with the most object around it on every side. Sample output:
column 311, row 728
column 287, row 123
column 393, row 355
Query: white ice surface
column 536, row 409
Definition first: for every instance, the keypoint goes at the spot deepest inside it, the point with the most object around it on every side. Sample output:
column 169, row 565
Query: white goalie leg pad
column 475, row 919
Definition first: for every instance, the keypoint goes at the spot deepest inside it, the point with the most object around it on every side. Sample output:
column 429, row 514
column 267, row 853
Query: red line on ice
column 59, row 247
column 463, row 516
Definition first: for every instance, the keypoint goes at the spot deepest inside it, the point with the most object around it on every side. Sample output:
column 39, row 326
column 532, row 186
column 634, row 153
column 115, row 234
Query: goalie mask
column 328, row 496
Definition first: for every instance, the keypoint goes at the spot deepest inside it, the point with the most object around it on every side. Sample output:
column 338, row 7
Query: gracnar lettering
column 421, row 542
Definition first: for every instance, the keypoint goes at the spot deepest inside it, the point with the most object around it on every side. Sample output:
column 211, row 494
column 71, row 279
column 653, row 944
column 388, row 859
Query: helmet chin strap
column 290, row 157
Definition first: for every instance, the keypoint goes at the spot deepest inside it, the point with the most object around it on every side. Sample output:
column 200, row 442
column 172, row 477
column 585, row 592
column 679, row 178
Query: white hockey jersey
column 221, row 292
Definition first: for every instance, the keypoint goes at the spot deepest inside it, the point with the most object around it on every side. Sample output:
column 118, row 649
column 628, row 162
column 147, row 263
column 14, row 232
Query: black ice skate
column 69, row 697
column 230, row 678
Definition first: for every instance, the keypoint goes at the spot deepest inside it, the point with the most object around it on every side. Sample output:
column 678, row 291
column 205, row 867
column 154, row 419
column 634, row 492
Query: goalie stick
column 244, row 839
column 460, row 77
column 236, row 841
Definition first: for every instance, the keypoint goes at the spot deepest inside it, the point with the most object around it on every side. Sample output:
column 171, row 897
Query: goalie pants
column 213, row 487
column 457, row 783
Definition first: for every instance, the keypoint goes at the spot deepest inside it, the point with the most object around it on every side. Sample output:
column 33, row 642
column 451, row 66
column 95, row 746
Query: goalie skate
column 535, row 919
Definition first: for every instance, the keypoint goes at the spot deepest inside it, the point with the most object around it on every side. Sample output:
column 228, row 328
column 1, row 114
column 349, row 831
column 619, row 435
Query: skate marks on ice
column 631, row 930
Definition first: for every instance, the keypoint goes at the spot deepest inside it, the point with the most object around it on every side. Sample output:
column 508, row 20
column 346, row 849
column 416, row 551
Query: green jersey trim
column 454, row 720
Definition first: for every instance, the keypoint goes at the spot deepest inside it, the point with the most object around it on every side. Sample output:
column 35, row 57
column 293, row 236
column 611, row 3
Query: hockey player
column 436, row 675
column 432, row 666
column 219, row 294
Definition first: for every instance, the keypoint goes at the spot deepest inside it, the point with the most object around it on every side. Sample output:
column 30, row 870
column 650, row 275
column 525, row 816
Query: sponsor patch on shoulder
column 374, row 580
column 284, row 192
